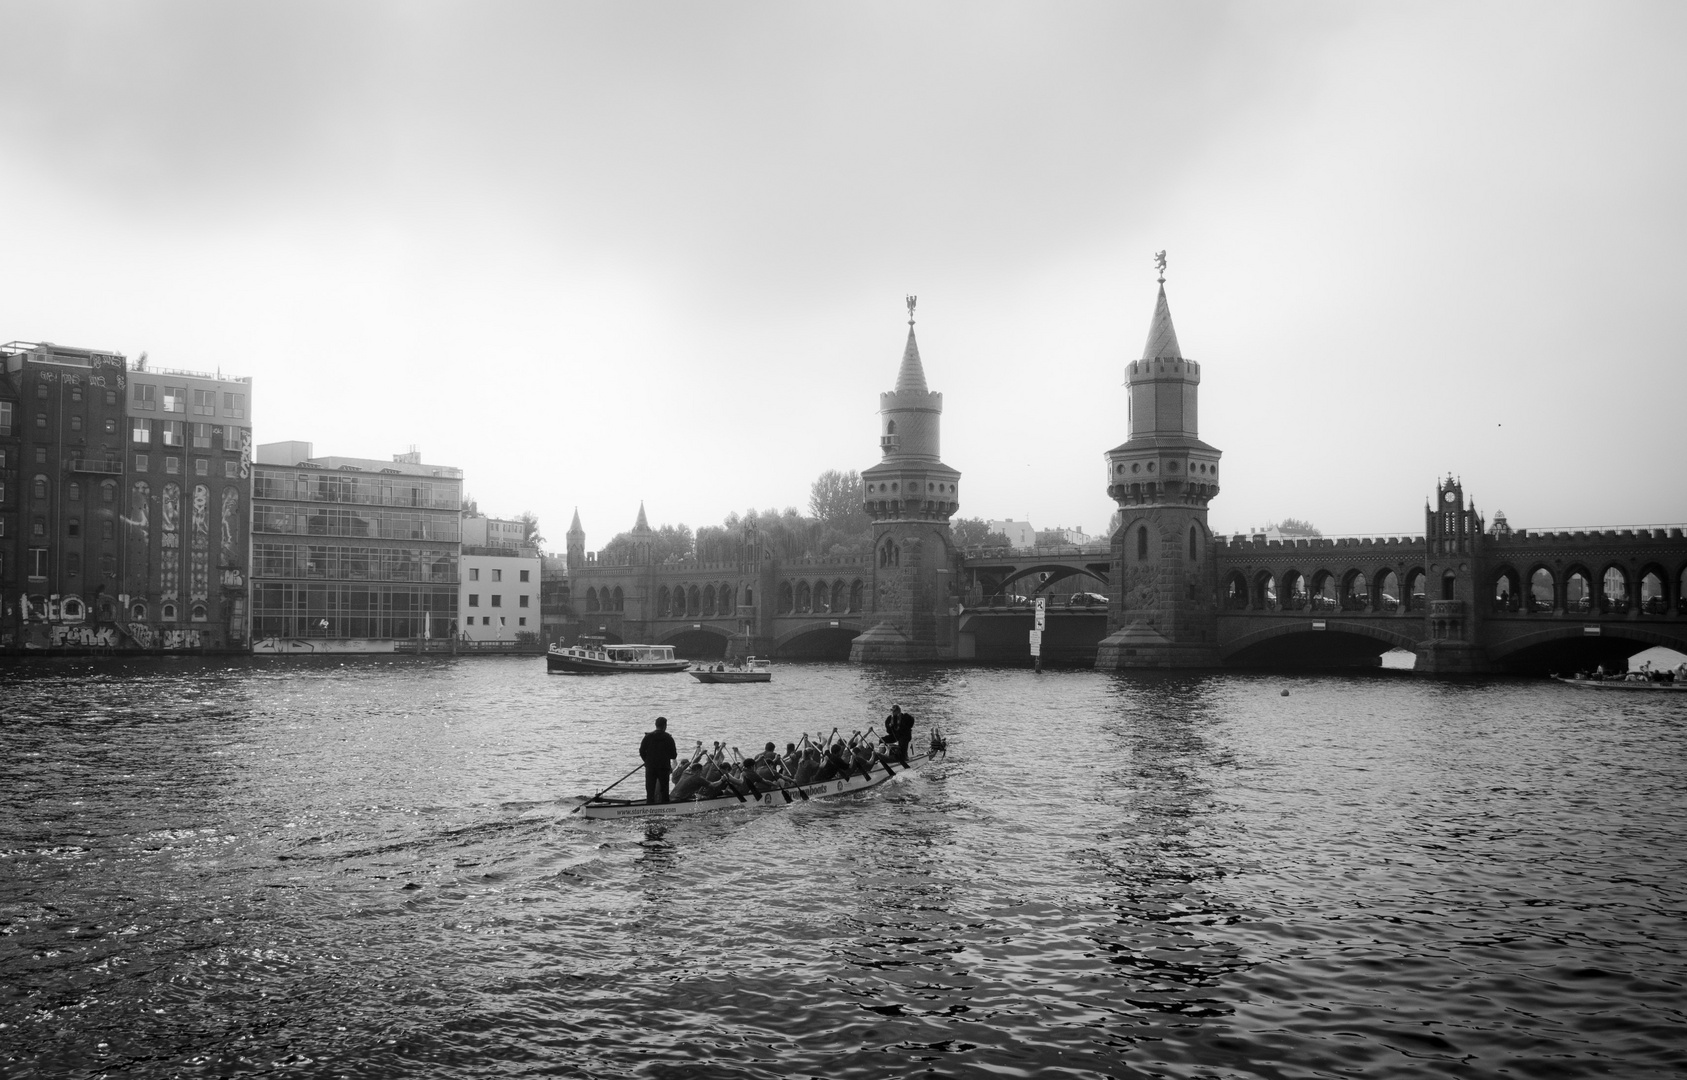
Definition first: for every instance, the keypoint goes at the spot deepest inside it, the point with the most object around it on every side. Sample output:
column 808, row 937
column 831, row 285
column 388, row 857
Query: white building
column 499, row 599
column 1019, row 533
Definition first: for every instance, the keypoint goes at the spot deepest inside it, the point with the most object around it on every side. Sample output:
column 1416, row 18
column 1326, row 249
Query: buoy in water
column 1285, row 693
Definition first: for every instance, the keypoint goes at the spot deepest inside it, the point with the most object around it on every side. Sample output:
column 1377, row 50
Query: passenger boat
column 1621, row 684
column 592, row 657
column 751, row 670
column 880, row 772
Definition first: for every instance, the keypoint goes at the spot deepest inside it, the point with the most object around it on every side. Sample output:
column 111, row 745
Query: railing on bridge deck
column 1035, row 551
column 978, row 600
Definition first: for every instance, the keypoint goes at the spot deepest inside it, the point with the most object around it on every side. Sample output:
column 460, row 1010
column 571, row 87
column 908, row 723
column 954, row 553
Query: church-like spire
column 576, row 527
column 642, row 524
column 1162, row 337
column 911, row 376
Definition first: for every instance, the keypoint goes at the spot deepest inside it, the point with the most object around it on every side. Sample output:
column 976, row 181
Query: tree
column 836, row 501
column 1297, row 527
column 671, row 543
column 470, row 506
column 531, row 535
column 975, row 532
column 1051, row 537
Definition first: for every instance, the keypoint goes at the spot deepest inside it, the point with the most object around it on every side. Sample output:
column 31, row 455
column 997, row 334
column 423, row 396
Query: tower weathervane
column 1160, row 265
column 912, row 300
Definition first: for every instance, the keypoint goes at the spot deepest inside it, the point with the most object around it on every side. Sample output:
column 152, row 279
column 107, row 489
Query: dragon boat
column 766, row 795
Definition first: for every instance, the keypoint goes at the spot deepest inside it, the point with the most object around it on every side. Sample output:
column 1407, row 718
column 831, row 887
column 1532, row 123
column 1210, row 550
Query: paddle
column 750, row 775
column 783, row 768
column 605, row 791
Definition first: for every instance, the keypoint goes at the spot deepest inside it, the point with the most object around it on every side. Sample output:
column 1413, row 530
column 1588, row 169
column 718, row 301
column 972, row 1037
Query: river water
column 368, row 868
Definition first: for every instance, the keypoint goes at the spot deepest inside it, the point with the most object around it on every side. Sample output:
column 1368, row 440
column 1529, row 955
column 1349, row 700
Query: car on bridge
column 1086, row 600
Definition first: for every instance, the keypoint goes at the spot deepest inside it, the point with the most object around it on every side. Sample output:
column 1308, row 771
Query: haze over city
column 601, row 254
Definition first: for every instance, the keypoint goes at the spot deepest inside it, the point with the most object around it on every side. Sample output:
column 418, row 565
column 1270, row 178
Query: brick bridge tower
column 1164, row 607
column 909, row 495
column 1453, row 532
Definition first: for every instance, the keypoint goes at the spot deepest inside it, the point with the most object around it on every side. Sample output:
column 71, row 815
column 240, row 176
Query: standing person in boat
column 658, row 752
column 899, row 731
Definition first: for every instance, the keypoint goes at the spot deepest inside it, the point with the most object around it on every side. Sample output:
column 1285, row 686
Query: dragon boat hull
column 768, row 797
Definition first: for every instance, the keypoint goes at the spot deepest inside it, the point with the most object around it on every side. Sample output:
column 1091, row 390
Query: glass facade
column 355, row 552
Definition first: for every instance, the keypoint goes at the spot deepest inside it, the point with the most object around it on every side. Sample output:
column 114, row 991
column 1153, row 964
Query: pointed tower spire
column 642, row 524
column 1162, row 338
column 576, row 526
column 911, row 376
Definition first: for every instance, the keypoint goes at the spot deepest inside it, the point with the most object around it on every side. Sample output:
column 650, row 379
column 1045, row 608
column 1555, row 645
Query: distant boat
column 751, row 670
column 592, row 657
column 1621, row 684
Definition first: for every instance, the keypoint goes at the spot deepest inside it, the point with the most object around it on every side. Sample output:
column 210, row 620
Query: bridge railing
column 1035, row 551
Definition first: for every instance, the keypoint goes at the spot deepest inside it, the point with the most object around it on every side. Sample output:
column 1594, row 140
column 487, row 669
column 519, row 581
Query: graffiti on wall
column 183, row 639
column 231, row 524
column 199, row 565
column 85, row 637
column 170, row 542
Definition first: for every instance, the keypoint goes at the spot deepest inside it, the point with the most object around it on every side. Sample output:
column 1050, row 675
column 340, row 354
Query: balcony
column 89, row 465
column 1446, row 609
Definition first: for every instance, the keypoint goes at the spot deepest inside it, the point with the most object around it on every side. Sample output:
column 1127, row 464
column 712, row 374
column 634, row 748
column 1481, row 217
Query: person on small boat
column 657, row 751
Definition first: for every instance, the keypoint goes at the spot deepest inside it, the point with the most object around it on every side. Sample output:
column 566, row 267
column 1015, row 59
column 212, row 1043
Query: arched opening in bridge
column 1265, row 591
column 1294, row 591
column 1355, row 592
column 1332, row 649
column 1508, row 590
column 1141, row 543
column 1613, row 591
column 664, row 602
column 724, row 600
column 1654, row 598
column 698, row 644
column 890, row 554
column 804, row 600
column 1449, row 585
column 820, row 643
column 856, row 589
column 708, row 600
column 1388, row 591
column 1578, row 592
column 840, row 597
column 693, row 600
column 591, row 600
column 822, row 598
column 1235, row 591
column 787, row 598
column 1542, row 595
column 1323, row 594
column 1681, row 591
column 1415, row 583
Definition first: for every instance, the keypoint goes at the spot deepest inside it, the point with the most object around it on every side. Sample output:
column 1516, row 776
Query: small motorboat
column 1596, row 683
column 751, row 670
column 592, row 657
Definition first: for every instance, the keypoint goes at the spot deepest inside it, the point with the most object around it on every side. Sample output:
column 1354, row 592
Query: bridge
column 1164, row 592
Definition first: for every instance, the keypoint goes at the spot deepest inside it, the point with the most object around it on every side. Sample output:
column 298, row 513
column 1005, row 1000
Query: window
column 524, row 574
column 198, row 613
column 523, row 599
column 145, row 396
column 201, row 467
column 110, row 426
column 75, row 491
column 75, row 422
column 175, row 399
column 234, row 404
column 474, row 573
column 231, row 469
column 140, row 463
column 172, row 465
column 2, row 459
column 474, row 599
column 497, row 600
column 175, row 432
column 167, row 613
column 497, row 575
column 204, row 403
column 111, row 397
column 108, row 490
column 5, row 418
column 73, row 527
column 202, row 436
column 40, row 455
column 500, row 620
column 73, row 564
column 521, row 621
column 140, row 431
column 40, row 419
column 76, row 391
column 38, row 562
column 38, row 528
column 41, row 390
column 40, row 487
column 231, row 438
column 137, row 611
column 107, row 531
column 2, row 498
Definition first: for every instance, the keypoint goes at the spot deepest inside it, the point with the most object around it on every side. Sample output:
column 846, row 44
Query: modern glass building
column 352, row 554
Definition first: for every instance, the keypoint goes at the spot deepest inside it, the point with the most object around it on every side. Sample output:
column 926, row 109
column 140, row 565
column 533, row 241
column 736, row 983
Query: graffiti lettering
column 87, row 637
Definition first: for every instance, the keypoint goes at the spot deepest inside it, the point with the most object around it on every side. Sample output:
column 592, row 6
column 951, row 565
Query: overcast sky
column 595, row 254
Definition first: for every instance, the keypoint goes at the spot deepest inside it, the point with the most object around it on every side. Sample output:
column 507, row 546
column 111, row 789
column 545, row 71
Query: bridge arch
column 1578, row 588
column 1382, row 636
column 1564, row 646
column 1543, row 588
column 817, row 639
column 1416, row 580
column 1613, row 589
column 1264, row 594
column 1235, row 591
column 1387, row 590
column 1505, row 588
column 1057, row 572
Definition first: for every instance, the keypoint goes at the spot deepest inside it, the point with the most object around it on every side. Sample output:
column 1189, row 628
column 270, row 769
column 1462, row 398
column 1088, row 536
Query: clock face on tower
column 1448, row 498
